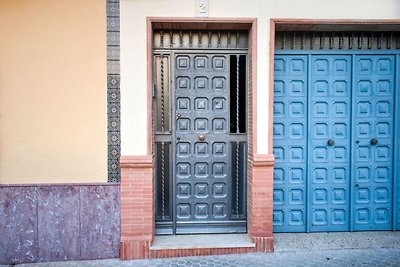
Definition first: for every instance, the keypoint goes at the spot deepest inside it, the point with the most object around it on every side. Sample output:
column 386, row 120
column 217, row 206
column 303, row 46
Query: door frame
column 223, row 24
column 279, row 24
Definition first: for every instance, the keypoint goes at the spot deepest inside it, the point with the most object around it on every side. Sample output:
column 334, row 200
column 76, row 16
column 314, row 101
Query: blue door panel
column 329, row 142
column 373, row 110
column 289, row 130
column 336, row 142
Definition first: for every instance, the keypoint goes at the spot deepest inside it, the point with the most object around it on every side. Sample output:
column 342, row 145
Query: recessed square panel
column 363, row 174
column 219, row 210
column 364, row 88
column 338, row 196
column 201, row 211
column 201, row 190
column 320, row 109
column 279, row 153
column 279, row 88
column 219, row 63
column 297, row 65
column 365, row 66
column 383, row 108
column 384, row 66
column 320, row 196
column 364, row 109
column 219, row 104
column 382, row 174
column 320, row 175
column 363, row 216
column 278, row 196
column 296, row 154
column 183, row 83
column 183, row 190
column 279, row 130
column 340, row 88
column 340, row 154
column 296, row 175
column 296, row 109
column 320, row 130
column 201, row 104
column 320, row 217
column 339, row 130
column 201, row 149
column 383, row 87
column 183, row 211
column 201, row 83
column 340, row 66
column 183, row 125
column 201, row 125
column 182, row 62
column 297, row 88
column 201, row 169
column 279, row 175
column 183, row 149
column 382, row 153
column 339, row 175
column 321, row 66
column 279, row 109
column 219, row 149
column 321, row 88
column 362, row 195
column 219, row 169
column 320, row 154
column 219, row 190
column 296, row 217
column 382, row 129
column 183, row 104
column 278, row 217
column 296, row 130
column 183, row 170
column 339, row 217
column 363, row 153
column 382, row 216
column 200, row 62
column 296, row 196
column 363, row 129
column 279, row 65
column 340, row 109
column 381, row 195
column 219, row 125
column 218, row 83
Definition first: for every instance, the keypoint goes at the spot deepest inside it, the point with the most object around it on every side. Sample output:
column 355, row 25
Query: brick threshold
column 203, row 241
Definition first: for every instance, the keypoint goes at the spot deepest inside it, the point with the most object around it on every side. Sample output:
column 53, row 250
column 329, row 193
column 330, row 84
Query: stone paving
column 340, row 257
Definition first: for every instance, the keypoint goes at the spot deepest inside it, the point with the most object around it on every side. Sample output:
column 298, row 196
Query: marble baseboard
column 40, row 223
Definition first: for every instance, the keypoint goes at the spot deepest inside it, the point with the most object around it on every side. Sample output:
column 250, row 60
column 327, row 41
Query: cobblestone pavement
column 339, row 257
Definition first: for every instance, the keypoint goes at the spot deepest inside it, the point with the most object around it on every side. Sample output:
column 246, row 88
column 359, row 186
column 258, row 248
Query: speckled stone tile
column 58, row 223
column 100, row 222
column 18, row 225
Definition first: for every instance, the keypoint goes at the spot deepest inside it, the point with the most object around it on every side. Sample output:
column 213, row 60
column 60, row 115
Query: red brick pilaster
column 260, row 201
column 137, row 206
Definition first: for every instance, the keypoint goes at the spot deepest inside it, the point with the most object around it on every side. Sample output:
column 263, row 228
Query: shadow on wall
column 59, row 222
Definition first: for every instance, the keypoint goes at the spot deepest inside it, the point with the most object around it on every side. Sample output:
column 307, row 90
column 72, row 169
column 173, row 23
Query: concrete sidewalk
column 317, row 249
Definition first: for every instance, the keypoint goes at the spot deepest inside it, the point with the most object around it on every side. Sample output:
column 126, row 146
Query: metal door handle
column 374, row 141
column 202, row 137
column 330, row 142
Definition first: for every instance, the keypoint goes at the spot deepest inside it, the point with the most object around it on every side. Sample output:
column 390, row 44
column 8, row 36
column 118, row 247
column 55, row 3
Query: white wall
column 134, row 60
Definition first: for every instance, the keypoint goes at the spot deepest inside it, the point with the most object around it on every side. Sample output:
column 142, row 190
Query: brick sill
column 206, row 241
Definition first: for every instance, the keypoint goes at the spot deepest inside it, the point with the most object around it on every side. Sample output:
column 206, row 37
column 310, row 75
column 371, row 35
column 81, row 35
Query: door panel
column 290, row 140
column 334, row 131
column 329, row 146
column 373, row 111
column 203, row 177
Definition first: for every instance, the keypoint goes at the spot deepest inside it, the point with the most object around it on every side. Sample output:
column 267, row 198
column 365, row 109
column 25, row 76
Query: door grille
column 337, row 40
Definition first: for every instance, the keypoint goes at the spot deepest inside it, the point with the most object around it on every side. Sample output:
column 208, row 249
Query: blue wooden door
column 373, row 111
column 290, row 142
column 334, row 138
column 329, row 142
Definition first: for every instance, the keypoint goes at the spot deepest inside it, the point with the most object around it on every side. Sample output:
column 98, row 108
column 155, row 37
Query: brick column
column 260, row 201
column 137, row 206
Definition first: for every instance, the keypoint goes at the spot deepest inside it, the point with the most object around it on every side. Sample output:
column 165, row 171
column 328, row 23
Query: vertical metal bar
column 390, row 41
column 303, row 39
column 219, row 40
column 171, row 39
column 162, row 144
column 163, row 179
column 237, row 131
column 312, row 43
column 380, row 38
column 341, row 41
column 362, row 41
column 162, row 93
column 180, row 39
column 161, row 39
column 237, row 39
column 322, row 41
column 200, row 39
column 370, row 40
column 209, row 39
column 351, row 41
column 331, row 42
column 294, row 41
column 284, row 40
column 190, row 39
column 228, row 44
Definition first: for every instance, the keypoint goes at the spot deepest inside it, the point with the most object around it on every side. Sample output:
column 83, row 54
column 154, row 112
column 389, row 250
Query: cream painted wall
column 133, row 48
column 53, row 95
